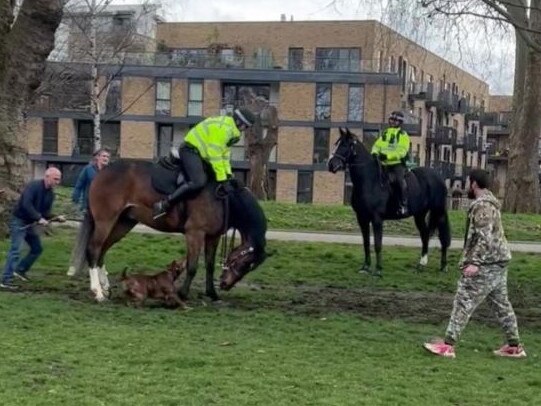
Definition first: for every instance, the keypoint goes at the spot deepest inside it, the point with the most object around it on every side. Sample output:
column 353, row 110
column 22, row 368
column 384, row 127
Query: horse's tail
column 83, row 237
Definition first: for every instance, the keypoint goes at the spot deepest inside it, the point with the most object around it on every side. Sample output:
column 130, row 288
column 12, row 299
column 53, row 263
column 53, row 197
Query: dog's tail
column 124, row 274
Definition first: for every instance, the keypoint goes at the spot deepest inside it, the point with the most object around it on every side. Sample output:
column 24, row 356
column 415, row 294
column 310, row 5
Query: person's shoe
column 21, row 276
column 511, row 352
column 440, row 348
column 8, row 286
column 159, row 209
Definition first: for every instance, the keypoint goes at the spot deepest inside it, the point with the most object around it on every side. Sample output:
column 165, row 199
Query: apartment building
column 320, row 75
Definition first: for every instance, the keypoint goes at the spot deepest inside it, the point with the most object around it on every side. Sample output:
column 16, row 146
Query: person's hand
column 227, row 186
column 61, row 219
column 42, row 222
column 383, row 156
column 470, row 270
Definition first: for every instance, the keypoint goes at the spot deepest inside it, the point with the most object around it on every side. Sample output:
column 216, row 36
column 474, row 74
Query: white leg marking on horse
column 95, row 285
column 71, row 271
column 424, row 260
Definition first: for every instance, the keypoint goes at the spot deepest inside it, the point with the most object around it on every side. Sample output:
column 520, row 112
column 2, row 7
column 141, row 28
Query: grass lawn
column 303, row 329
column 340, row 218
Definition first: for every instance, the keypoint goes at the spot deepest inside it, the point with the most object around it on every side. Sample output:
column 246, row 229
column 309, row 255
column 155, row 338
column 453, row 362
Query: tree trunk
column 522, row 193
column 259, row 143
column 24, row 47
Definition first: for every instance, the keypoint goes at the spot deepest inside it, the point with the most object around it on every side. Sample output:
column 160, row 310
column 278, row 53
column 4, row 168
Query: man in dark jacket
column 33, row 207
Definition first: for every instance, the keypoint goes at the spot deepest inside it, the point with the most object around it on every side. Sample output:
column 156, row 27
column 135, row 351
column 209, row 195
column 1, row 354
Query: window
column 321, row 145
column 392, row 64
column 195, row 98
column 163, row 97
column 165, row 139
column 304, row 186
column 112, row 100
column 295, row 59
column 50, row 136
column 238, row 150
column 356, row 103
column 85, row 138
column 323, row 101
column 110, row 137
column 271, row 183
column 338, row 59
column 235, row 95
column 369, row 138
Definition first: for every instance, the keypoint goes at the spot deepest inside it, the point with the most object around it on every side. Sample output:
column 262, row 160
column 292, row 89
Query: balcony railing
column 471, row 142
column 497, row 118
column 445, row 169
column 443, row 135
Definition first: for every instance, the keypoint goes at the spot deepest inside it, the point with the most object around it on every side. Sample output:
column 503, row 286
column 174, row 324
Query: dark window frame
column 190, row 101
column 293, row 63
column 322, row 150
column 159, row 140
column 356, row 86
column 305, row 196
column 326, row 63
column 325, row 106
column 167, row 111
column 49, row 144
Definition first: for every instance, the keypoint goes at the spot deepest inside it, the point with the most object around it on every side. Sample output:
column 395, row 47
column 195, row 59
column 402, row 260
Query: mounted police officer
column 392, row 148
column 210, row 141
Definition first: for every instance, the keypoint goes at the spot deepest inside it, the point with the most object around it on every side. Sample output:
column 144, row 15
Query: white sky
column 489, row 59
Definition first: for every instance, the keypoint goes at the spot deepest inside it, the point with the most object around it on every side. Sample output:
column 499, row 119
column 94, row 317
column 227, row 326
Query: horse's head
column 243, row 259
column 345, row 150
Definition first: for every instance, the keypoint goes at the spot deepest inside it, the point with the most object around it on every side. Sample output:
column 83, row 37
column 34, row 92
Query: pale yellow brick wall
column 137, row 139
column 339, row 107
column 286, row 186
column 500, row 103
column 138, row 96
column 66, row 134
column 179, row 98
column 297, row 101
column 374, row 107
column 211, row 98
column 295, row 145
column 328, row 187
column 34, row 129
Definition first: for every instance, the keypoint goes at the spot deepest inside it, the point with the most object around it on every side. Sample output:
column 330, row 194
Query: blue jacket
column 80, row 193
column 35, row 202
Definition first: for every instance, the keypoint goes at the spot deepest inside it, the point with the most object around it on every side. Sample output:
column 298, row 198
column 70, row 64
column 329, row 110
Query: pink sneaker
column 511, row 352
column 440, row 348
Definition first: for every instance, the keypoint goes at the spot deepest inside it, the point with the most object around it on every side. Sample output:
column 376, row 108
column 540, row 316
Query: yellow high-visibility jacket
column 395, row 143
column 213, row 138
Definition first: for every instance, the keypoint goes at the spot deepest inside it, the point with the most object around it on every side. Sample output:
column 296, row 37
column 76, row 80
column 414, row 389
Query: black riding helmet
column 398, row 116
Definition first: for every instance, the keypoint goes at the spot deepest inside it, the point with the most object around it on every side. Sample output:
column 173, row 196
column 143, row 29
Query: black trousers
column 397, row 176
column 194, row 172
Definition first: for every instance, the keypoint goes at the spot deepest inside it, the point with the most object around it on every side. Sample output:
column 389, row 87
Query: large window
column 113, row 99
column 356, row 103
column 323, row 101
column 165, row 139
column 304, row 186
column 235, row 95
column 110, row 137
column 338, row 59
column 238, row 150
column 85, row 138
column 195, row 98
column 50, row 136
column 321, row 145
column 296, row 56
column 163, row 97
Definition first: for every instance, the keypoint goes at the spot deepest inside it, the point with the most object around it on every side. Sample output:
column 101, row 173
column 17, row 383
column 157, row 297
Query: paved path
column 348, row 238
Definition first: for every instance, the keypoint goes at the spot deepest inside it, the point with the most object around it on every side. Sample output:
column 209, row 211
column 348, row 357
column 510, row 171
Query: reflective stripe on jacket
column 395, row 143
column 212, row 138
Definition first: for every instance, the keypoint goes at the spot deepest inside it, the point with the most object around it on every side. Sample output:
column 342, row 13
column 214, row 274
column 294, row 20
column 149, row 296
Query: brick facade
column 286, row 186
column 328, row 187
column 138, row 96
column 295, row 145
column 34, row 129
column 297, row 101
column 138, row 139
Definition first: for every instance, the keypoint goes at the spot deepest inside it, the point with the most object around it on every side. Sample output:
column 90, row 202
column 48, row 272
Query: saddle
column 166, row 176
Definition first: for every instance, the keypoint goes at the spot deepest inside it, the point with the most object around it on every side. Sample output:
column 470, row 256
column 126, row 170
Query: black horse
column 373, row 199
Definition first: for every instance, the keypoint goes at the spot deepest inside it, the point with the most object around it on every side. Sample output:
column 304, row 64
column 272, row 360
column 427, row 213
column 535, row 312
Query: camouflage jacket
column 485, row 241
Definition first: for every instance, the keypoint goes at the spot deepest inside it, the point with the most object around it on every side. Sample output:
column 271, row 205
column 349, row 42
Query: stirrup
column 162, row 210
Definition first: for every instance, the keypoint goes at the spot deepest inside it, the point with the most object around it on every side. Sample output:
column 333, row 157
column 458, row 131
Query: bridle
column 353, row 153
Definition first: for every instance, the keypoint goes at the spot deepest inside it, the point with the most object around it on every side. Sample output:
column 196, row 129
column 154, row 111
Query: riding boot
column 161, row 207
column 403, row 205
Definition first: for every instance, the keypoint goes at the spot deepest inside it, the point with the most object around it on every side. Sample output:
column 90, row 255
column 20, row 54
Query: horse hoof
column 100, row 299
column 365, row 269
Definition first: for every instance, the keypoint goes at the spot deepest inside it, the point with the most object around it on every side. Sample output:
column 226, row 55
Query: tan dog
column 159, row 286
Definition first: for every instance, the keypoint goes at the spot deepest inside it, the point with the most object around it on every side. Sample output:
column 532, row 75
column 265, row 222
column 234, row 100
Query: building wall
column 34, row 129
column 179, row 97
column 286, row 186
column 297, row 101
column 328, row 187
column 212, row 98
column 500, row 103
column 295, row 145
column 138, row 139
column 138, row 95
column 66, row 136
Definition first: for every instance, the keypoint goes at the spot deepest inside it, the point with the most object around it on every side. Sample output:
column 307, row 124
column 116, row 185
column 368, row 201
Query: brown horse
column 122, row 195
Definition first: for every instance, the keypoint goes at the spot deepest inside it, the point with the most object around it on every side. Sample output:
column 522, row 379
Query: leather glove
column 227, row 186
column 382, row 156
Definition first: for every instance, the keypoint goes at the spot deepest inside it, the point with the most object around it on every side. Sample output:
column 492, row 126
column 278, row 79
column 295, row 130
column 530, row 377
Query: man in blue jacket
column 33, row 207
column 88, row 173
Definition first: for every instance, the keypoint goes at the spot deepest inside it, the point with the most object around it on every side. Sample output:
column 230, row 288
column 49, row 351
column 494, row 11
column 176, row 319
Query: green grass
column 305, row 328
column 339, row 218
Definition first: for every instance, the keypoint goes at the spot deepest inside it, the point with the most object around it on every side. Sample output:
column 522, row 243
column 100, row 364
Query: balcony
column 497, row 119
column 420, row 91
column 445, row 169
column 442, row 136
column 471, row 143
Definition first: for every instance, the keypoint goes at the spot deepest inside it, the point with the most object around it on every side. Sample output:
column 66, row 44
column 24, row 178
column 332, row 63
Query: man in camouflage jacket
column 484, row 263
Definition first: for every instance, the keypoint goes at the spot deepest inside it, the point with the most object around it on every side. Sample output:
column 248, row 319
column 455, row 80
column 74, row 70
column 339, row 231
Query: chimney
column 282, row 17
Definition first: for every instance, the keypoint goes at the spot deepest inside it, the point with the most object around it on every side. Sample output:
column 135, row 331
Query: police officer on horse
column 210, row 141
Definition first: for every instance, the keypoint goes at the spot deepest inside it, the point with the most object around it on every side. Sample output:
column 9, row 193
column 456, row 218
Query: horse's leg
column 121, row 228
column 365, row 230
column 194, row 244
column 211, row 245
column 94, row 254
column 420, row 222
column 444, row 234
column 377, row 227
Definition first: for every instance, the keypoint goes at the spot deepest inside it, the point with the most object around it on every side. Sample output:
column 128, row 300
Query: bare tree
column 27, row 33
column 522, row 192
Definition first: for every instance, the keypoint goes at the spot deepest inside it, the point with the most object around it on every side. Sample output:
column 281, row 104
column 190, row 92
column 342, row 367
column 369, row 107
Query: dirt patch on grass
column 317, row 301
